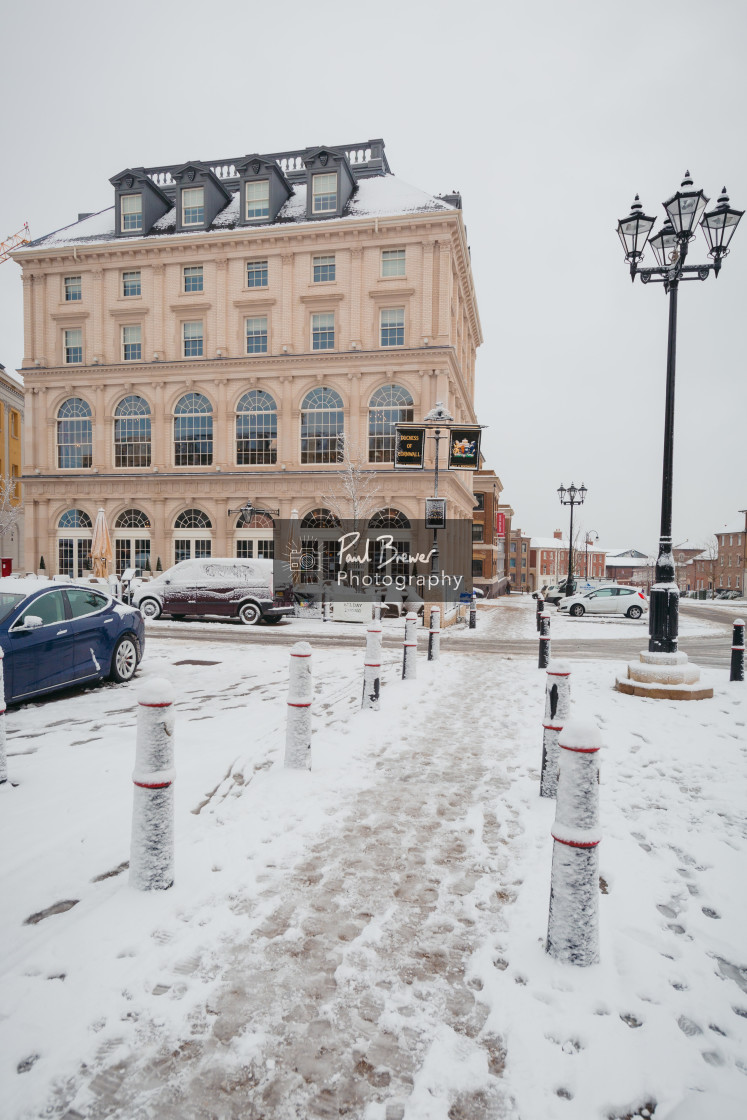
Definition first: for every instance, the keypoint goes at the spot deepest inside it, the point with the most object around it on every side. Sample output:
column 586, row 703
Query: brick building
column 11, row 434
column 549, row 560
column 488, row 534
column 210, row 337
column 730, row 566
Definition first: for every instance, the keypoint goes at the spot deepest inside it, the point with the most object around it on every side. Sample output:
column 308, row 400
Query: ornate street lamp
column 685, row 210
column 571, row 496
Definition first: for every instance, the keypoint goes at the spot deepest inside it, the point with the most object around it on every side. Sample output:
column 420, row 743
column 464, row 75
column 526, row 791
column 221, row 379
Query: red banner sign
column 500, row 524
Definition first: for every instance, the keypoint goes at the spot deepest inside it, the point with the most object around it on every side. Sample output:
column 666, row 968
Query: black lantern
column 634, row 231
column 665, row 246
column 685, row 207
column 719, row 225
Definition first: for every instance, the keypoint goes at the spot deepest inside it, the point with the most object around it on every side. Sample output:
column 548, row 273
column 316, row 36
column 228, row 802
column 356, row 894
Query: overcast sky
column 547, row 116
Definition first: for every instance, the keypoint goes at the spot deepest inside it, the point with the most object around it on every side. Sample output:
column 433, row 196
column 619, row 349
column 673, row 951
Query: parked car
column 54, row 635
column 612, row 599
column 224, row 587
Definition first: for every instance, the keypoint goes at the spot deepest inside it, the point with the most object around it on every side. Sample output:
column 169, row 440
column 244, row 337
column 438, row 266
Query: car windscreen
column 8, row 602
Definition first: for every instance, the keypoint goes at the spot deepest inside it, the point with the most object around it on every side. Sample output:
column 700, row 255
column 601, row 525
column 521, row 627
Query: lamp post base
column 664, row 676
column 664, row 605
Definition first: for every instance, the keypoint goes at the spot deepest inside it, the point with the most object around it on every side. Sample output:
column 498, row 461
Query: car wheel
column 150, row 608
column 576, row 610
column 249, row 613
column 124, row 660
column 635, row 612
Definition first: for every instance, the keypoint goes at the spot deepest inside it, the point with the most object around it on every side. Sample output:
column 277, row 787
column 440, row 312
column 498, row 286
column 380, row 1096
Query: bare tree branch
column 355, row 494
column 10, row 514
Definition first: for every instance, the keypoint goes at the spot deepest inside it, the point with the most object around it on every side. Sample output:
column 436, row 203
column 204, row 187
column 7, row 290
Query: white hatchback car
column 615, row 599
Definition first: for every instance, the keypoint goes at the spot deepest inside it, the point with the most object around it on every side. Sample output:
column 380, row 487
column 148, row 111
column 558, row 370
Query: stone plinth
column 664, row 676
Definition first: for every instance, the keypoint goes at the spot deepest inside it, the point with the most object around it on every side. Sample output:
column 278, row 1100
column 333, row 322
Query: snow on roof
column 380, row 196
column 731, row 529
column 629, row 561
column 553, row 542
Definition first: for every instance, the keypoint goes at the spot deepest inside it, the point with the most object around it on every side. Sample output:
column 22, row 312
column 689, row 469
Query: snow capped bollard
column 557, row 710
column 372, row 668
column 3, row 752
column 434, row 635
column 544, row 646
column 298, row 729
column 737, row 651
column 376, row 612
column 540, row 608
column 409, row 663
column 573, row 926
column 473, row 612
column 152, row 845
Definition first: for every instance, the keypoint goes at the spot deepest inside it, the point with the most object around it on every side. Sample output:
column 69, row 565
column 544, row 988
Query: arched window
column 389, row 405
column 320, row 519
column 74, row 437
column 74, row 531
column 193, row 540
column 255, row 536
column 132, row 540
column 256, row 429
column 193, row 431
column 389, row 519
column 322, row 423
column 132, row 433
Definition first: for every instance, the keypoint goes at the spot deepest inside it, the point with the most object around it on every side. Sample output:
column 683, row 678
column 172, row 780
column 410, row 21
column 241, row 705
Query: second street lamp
column 571, row 496
column 589, row 534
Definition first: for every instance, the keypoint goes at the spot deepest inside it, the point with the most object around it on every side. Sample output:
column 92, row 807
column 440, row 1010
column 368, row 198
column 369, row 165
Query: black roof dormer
column 135, row 185
column 320, row 203
column 215, row 197
column 258, row 170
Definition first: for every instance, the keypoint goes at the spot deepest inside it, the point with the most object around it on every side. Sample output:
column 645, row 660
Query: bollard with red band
column 540, row 608
column 372, row 668
column 573, row 926
column 152, row 844
column 557, row 710
column 409, row 662
column 544, row 642
column 298, row 728
column 737, row 651
column 473, row 612
column 434, row 635
column 3, row 749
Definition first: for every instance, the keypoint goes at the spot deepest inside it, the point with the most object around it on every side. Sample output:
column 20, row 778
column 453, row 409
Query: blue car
column 54, row 635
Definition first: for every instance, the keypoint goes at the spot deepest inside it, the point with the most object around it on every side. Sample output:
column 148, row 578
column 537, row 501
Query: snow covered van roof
column 380, row 196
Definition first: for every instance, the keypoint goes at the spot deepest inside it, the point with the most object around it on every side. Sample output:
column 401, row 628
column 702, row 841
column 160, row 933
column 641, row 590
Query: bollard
column 324, row 607
column 557, row 710
column 737, row 651
column 152, row 844
column 434, row 635
column 544, row 646
column 372, row 668
column 409, row 662
column 298, row 728
column 473, row 612
column 376, row 612
column 540, row 608
column 3, row 750
column 573, row 925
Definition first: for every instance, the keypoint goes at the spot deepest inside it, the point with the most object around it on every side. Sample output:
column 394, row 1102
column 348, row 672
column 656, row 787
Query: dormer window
column 193, row 206
column 323, row 193
column 132, row 212
column 257, row 200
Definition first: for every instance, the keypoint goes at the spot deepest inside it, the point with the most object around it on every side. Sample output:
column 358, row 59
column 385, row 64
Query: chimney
column 558, row 534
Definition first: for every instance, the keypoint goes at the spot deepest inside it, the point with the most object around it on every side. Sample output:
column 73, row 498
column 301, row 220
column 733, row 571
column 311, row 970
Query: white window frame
column 127, row 213
column 254, row 213
column 393, row 263
column 193, row 337
column 128, row 278
column 398, row 326
column 325, row 261
column 73, row 288
column 127, row 329
column 320, row 198
column 256, row 334
column 316, row 327
column 70, row 346
column 196, row 271
column 262, row 266
column 200, row 221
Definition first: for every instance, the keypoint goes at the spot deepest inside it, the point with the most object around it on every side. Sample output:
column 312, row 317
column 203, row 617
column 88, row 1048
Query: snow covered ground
column 366, row 939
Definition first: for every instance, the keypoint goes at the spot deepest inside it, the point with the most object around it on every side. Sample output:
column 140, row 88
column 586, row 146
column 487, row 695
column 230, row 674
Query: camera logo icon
column 304, row 560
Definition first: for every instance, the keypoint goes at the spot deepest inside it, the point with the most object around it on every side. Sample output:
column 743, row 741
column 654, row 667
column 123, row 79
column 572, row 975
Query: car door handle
column 61, row 632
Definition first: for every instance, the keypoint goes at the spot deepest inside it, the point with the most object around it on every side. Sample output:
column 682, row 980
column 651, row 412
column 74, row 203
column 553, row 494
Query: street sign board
column 464, row 448
column 465, row 597
column 409, row 448
column 500, row 524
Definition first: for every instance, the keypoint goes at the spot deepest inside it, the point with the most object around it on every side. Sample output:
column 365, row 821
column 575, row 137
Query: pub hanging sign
column 409, row 448
column 464, row 448
column 435, row 513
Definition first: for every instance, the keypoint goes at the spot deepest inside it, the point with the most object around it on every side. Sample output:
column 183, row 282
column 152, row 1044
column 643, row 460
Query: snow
column 378, row 196
column 367, row 938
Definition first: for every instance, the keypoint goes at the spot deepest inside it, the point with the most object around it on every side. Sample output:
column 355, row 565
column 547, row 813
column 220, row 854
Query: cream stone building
column 207, row 339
